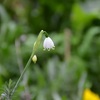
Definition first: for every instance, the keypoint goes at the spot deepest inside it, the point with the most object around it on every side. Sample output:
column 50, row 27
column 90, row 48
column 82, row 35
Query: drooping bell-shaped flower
column 48, row 44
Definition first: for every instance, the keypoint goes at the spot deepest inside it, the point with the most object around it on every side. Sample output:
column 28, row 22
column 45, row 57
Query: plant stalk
column 27, row 65
column 36, row 45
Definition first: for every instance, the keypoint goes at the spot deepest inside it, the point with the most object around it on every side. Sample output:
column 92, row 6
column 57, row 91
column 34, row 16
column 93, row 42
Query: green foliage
column 6, row 95
column 54, row 77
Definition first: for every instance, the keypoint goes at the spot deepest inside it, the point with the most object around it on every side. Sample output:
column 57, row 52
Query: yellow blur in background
column 89, row 95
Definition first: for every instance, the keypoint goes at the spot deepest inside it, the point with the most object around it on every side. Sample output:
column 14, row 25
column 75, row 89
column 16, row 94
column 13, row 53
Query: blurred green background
column 61, row 74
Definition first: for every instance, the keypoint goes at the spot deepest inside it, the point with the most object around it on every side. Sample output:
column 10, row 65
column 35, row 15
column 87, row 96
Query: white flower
column 48, row 43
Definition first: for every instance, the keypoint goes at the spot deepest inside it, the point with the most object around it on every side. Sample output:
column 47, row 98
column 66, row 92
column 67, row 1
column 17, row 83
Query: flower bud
column 34, row 59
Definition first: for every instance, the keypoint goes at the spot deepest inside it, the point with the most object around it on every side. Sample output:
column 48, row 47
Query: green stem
column 38, row 41
column 46, row 34
column 27, row 65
